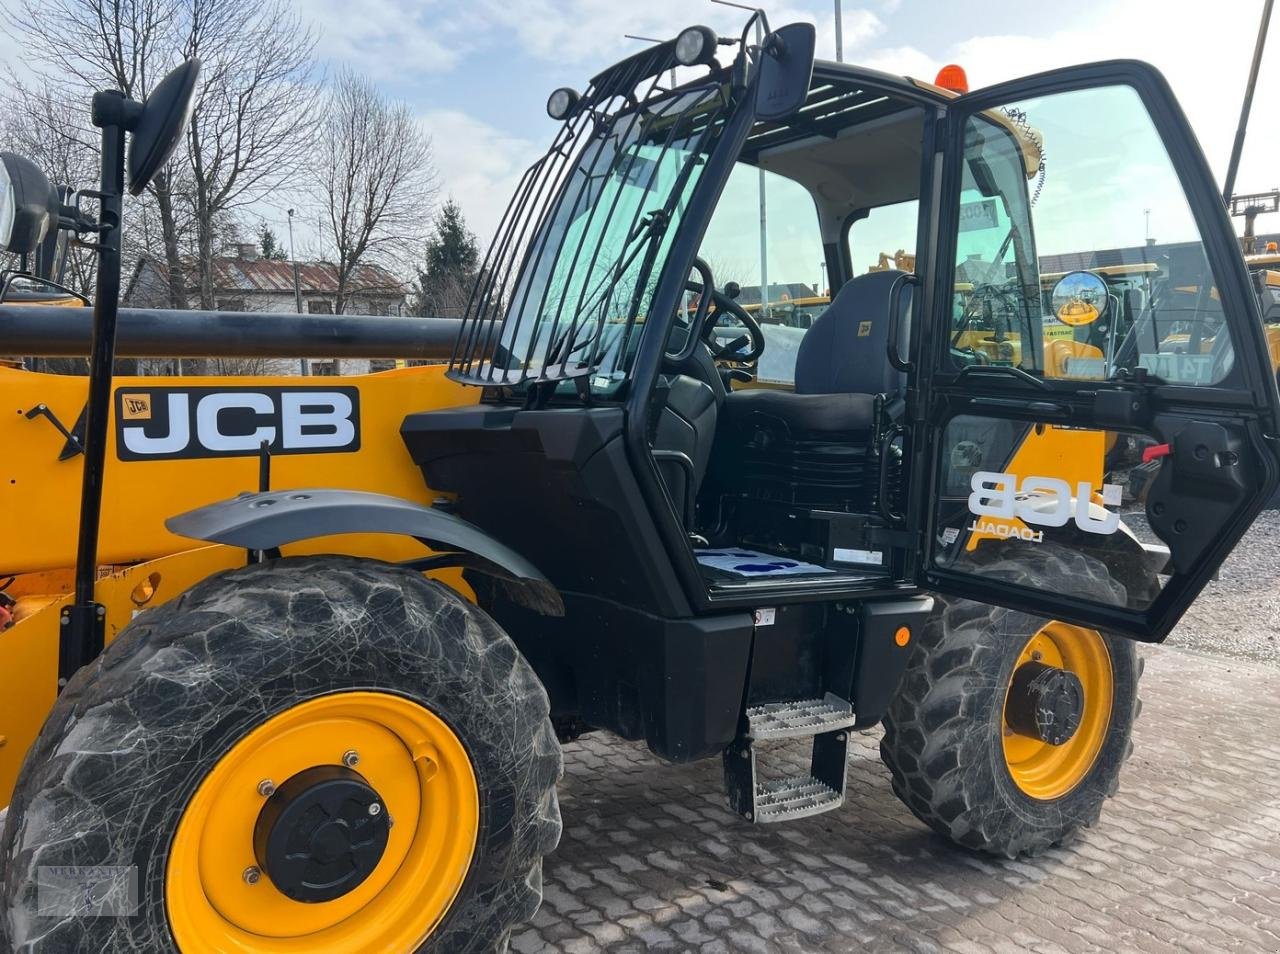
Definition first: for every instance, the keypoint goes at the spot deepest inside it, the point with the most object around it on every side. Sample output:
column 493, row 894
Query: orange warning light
column 953, row 77
column 902, row 636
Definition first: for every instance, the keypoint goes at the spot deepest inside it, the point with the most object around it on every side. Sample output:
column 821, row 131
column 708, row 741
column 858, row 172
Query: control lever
column 73, row 446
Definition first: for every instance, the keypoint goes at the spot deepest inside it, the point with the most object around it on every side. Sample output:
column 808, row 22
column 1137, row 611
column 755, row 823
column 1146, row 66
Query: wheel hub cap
column 1045, row 703
column 321, row 833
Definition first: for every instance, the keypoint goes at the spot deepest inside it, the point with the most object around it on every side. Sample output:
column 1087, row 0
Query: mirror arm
column 83, row 624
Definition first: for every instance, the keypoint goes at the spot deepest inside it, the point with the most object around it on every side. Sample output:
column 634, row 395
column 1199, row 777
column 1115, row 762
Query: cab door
column 1100, row 406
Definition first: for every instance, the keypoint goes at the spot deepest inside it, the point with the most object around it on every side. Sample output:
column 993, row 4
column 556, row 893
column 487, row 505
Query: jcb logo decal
column 1043, row 501
column 135, row 407
column 178, row 423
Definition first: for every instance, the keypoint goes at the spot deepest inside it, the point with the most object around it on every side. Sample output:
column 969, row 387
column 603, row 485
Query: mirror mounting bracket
column 112, row 108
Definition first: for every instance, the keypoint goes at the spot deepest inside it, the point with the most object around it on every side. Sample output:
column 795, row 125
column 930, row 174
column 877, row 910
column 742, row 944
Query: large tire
column 944, row 731
column 133, row 735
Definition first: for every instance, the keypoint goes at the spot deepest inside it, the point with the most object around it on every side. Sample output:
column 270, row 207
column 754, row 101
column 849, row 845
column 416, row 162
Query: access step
column 799, row 718
column 797, row 797
column 827, row 722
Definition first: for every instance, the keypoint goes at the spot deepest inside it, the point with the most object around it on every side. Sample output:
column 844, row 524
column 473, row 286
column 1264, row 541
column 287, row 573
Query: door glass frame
column 1254, row 399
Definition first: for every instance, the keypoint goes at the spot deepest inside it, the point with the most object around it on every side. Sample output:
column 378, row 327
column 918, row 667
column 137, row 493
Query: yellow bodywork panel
column 40, row 493
column 143, row 564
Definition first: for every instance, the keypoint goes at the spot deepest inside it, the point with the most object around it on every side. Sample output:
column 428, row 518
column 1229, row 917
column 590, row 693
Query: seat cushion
column 801, row 413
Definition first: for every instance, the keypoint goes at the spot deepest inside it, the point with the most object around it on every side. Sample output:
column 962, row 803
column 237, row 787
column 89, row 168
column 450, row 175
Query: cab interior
column 795, row 476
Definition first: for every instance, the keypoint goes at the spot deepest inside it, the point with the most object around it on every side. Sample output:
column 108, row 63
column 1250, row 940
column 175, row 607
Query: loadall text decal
column 187, row 423
column 1044, row 501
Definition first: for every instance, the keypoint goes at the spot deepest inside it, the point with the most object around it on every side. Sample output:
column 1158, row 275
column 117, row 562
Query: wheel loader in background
column 325, row 714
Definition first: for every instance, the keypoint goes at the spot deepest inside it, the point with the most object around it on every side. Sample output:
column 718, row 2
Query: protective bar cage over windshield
column 569, row 277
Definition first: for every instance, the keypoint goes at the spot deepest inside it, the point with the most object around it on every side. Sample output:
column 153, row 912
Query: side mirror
column 24, row 204
column 786, row 67
column 160, row 125
column 1080, row 298
column 731, row 290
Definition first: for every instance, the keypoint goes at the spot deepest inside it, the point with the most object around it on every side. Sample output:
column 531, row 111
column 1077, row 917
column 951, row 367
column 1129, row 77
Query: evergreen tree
column 270, row 245
column 452, row 259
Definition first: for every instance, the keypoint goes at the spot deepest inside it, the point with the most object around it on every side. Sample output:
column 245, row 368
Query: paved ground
column 1187, row 856
column 1239, row 613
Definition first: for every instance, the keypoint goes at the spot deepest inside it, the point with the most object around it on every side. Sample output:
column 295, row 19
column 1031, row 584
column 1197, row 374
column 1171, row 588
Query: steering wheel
column 707, row 322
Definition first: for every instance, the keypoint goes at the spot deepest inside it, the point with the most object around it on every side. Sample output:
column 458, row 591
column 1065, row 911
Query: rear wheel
column 315, row 755
column 1009, row 730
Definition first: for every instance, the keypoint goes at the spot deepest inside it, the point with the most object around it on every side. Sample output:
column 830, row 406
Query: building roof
column 272, row 276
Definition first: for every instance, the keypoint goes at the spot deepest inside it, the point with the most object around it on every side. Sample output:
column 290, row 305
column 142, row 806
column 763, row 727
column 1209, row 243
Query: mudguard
column 267, row 521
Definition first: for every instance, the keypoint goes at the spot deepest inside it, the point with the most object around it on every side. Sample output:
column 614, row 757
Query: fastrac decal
column 187, row 423
column 1043, row 501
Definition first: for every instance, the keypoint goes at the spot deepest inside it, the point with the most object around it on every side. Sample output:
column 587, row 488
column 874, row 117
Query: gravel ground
column 1239, row 613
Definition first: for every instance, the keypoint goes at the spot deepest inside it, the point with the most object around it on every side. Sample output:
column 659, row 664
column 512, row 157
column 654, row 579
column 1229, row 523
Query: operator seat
column 841, row 366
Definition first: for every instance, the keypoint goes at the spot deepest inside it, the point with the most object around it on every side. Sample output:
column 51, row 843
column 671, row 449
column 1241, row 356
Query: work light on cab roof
column 694, row 45
column 562, row 103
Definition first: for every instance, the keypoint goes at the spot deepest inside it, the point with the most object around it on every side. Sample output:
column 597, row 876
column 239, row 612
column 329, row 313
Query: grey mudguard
column 264, row 521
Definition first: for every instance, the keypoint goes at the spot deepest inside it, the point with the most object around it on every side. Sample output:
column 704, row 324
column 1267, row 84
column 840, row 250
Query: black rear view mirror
column 160, row 125
column 786, row 67
column 24, row 204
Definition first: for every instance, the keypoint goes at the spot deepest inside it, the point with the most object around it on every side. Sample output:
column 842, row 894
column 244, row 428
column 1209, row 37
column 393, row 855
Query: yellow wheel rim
column 425, row 779
column 1045, row 771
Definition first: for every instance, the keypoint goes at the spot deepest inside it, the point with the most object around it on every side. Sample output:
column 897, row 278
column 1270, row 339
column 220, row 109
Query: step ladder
column 827, row 721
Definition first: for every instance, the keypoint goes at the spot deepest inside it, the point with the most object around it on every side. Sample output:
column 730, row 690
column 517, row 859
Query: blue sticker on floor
column 754, row 563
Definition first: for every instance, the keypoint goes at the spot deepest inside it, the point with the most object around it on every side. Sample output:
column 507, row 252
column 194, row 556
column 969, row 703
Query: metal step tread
column 799, row 717
column 796, row 797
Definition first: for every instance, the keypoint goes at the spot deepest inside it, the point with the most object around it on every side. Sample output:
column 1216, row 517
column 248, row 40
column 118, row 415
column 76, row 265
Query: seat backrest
column 846, row 350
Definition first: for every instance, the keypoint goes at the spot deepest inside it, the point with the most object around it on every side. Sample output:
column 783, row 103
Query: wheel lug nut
column 351, row 758
column 252, row 874
column 374, row 808
column 1037, row 655
column 266, row 788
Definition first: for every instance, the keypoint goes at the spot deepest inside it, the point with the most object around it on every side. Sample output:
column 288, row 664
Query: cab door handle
column 1046, row 409
column 895, row 321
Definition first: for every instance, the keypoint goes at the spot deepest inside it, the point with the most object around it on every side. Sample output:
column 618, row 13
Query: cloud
column 1204, row 57
column 388, row 38
column 479, row 165
column 594, row 31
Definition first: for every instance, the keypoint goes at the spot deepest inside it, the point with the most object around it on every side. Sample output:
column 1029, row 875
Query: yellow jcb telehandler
column 291, row 659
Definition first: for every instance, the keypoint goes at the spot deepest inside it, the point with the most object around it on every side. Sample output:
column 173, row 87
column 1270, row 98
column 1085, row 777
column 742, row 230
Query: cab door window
column 790, row 260
column 1076, row 254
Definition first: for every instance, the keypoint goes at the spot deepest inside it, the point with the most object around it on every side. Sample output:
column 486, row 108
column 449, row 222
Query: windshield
column 586, row 279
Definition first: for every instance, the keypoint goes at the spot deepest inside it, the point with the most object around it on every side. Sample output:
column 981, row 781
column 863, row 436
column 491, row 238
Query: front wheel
column 320, row 754
column 1009, row 730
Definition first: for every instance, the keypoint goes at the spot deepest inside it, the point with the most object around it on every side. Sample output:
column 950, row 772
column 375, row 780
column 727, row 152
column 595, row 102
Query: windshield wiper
column 652, row 225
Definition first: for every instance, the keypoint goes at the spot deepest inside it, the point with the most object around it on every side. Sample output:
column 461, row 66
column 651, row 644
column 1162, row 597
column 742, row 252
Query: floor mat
column 748, row 564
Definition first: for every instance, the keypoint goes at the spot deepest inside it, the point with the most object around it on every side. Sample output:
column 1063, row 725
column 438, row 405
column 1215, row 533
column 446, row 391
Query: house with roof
column 245, row 281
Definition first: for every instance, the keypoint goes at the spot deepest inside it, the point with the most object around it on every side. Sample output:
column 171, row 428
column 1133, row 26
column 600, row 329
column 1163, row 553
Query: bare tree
column 80, row 46
column 252, row 123
column 251, row 119
column 56, row 139
column 375, row 177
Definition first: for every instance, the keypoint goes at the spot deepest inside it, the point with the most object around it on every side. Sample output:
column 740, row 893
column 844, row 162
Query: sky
column 477, row 73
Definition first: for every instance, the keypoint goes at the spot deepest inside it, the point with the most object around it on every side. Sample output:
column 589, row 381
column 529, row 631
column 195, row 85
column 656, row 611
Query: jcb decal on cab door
column 183, row 423
column 1043, row 501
